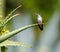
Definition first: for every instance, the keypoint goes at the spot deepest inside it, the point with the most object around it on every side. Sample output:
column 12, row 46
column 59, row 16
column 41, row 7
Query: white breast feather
column 39, row 18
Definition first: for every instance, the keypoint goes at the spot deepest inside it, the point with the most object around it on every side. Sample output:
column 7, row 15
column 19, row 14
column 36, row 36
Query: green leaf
column 9, row 15
column 13, row 43
column 8, row 18
column 10, row 34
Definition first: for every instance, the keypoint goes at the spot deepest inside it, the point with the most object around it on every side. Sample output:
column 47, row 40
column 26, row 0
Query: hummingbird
column 40, row 21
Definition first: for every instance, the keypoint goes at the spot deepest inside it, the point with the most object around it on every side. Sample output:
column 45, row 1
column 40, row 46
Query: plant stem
column 3, row 49
column 1, row 17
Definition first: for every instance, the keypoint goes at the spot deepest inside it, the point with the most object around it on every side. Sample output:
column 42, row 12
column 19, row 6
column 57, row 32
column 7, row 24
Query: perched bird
column 40, row 21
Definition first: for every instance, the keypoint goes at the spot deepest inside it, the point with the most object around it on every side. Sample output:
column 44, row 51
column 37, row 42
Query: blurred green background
column 41, row 41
